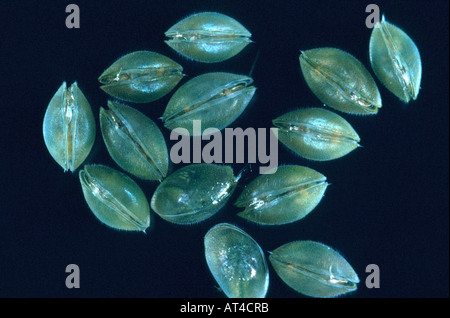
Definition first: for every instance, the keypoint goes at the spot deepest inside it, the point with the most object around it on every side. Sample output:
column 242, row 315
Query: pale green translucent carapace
column 236, row 261
column 208, row 37
column 340, row 81
column 216, row 99
column 285, row 196
column 134, row 141
column 395, row 60
column 194, row 193
column 69, row 127
column 114, row 198
column 141, row 77
column 316, row 134
column 313, row 269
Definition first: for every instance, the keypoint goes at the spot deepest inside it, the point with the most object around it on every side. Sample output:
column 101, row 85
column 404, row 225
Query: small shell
column 69, row 127
column 134, row 141
column 340, row 81
column 208, row 37
column 283, row 197
column 141, row 77
column 193, row 193
column 216, row 99
column 236, row 262
column 314, row 269
column 316, row 134
column 395, row 60
column 114, row 198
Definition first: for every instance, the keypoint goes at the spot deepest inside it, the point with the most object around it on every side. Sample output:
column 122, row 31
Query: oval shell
column 285, row 196
column 114, row 198
column 216, row 99
column 134, row 141
column 341, row 81
column 236, row 262
column 314, row 269
column 208, row 37
column 395, row 60
column 193, row 193
column 316, row 134
column 69, row 127
column 141, row 77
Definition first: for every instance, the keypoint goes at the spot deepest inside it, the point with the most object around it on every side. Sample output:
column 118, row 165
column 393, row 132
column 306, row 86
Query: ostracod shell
column 134, row 141
column 283, row 197
column 236, row 261
column 341, row 81
column 69, row 127
column 395, row 60
column 114, row 198
column 141, row 77
column 316, row 133
column 193, row 193
column 314, row 269
column 216, row 99
column 208, row 37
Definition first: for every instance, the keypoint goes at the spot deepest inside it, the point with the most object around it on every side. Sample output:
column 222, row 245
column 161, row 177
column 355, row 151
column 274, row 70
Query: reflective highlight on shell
column 208, row 37
column 285, row 196
column 114, row 198
column 69, row 127
column 194, row 193
column 216, row 99
column 236, row 261
column 314, row 269
column 316, row 134
column 341, row 81
column 134, row 141
column 141, row 77
column 395, row 60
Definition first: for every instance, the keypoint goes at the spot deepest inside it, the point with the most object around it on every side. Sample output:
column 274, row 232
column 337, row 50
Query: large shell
column 208, row 37
column 69, row 127
column 341, row 81
column 114, row 198
column 193, row 193
column 395, row 60
column 141, row 77
column 216, row 99
column 283, row 197
column 316, row 133
column 236, row 262
column 313, row 269
column 134, row 141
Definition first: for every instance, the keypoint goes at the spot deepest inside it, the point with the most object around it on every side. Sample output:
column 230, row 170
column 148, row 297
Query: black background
column 387, row 205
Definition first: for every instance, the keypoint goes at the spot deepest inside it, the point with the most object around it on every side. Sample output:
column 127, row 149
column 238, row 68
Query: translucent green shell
column 69, row 127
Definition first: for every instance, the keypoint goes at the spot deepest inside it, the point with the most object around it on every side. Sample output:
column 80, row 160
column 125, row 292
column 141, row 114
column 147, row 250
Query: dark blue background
column 387, row 205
